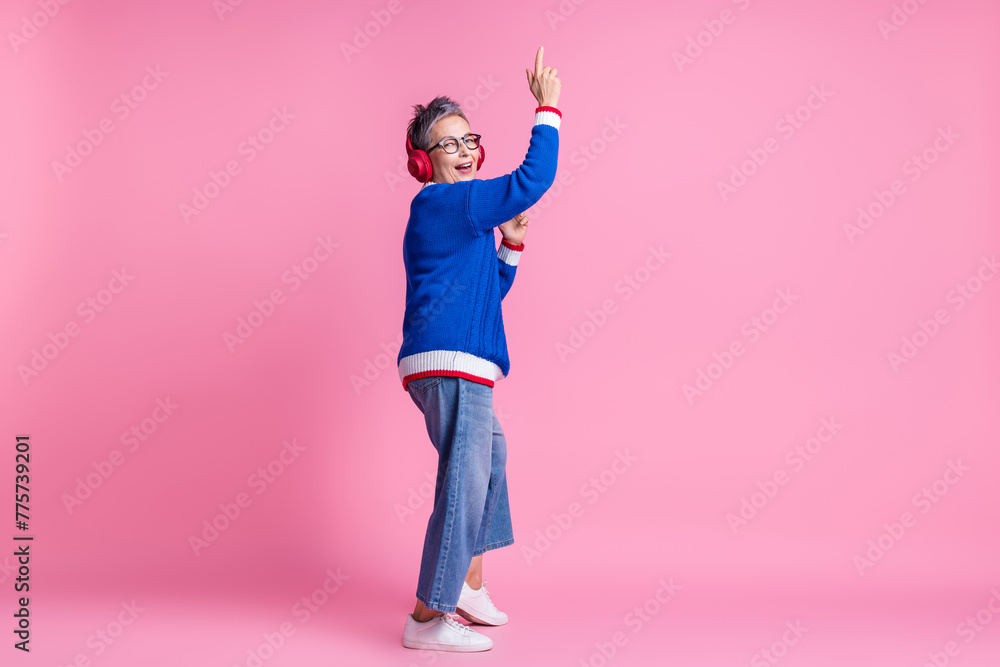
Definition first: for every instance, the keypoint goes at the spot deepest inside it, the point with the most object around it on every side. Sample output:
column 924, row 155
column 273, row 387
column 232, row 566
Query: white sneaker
column 443, row 633
column 477, row 607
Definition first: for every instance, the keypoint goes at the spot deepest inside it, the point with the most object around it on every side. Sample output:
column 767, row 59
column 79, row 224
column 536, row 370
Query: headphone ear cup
column 482, row 157
column 419, row 163
column 420, row 167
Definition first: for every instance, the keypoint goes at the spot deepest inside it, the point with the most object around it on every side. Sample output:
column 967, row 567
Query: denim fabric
column 471, row 513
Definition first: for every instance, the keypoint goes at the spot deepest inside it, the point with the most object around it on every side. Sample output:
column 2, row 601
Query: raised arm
column 493, row 201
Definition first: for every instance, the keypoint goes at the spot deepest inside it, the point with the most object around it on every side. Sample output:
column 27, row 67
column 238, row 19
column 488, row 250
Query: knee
column 478, row 471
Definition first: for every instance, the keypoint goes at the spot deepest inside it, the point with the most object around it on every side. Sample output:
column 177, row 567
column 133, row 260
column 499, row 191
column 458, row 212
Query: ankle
column 425, row 616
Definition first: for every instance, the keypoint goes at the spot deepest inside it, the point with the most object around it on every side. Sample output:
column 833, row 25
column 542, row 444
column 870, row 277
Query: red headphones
column 419, row 165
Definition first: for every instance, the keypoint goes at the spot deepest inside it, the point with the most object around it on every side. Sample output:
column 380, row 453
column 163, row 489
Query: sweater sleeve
column 494, row 201
column 509, row 255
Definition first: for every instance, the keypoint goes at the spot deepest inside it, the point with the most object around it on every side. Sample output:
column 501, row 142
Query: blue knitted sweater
column 456, row 277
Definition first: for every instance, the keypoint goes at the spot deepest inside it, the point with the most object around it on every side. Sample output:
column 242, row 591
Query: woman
column 454, row 348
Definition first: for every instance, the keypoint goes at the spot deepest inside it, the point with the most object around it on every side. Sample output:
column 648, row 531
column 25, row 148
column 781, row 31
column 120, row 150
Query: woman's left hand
column 514, row 229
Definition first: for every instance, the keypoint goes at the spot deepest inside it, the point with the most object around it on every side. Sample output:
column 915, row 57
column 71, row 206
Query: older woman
column 454, row 348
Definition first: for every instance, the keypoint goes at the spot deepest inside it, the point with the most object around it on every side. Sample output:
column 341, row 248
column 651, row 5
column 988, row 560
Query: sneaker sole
column 472, row 619
column 458, row 648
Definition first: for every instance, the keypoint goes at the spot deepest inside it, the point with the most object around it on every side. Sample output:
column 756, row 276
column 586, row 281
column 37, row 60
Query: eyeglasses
column 450, row 144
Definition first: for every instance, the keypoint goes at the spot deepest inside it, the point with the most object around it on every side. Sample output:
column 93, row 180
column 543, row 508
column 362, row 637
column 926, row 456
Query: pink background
column 660, row 139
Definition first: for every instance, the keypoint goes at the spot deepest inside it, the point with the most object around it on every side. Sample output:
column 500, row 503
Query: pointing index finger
column 538, row 61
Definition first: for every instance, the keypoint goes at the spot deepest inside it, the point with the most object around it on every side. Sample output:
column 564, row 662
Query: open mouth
column 464, row 168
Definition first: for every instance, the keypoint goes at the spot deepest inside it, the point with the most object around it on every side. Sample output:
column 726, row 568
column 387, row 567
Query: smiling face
column 446, row 166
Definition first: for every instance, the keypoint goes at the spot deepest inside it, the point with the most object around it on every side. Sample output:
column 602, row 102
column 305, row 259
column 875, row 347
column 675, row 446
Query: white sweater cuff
column 548, row 116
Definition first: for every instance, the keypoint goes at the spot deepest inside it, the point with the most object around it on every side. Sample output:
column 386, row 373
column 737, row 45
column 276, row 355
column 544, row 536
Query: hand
column 514, row 229
column 544, row 83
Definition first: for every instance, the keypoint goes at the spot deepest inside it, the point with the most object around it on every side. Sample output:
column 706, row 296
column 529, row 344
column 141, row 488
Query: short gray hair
column 424, row 118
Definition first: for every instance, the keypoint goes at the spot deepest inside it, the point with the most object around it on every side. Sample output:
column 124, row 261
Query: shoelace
column 487, row 594
column 451, row 620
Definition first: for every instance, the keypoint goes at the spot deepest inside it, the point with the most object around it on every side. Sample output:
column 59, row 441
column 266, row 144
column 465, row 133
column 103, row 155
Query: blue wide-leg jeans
column 471, row 513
